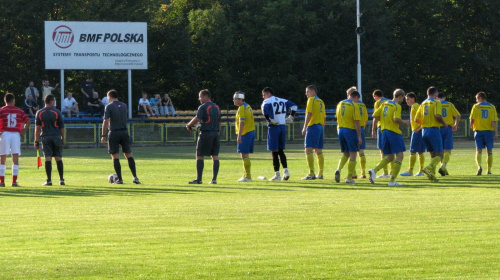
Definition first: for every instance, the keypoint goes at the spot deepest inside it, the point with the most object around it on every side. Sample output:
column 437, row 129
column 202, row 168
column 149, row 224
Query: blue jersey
column 275, row 109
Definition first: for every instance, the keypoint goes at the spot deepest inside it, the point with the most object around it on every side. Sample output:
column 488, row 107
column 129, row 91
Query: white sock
column 2, row 170
column 15, row 170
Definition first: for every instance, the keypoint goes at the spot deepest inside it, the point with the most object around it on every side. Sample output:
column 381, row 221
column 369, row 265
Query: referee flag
column 39, row 159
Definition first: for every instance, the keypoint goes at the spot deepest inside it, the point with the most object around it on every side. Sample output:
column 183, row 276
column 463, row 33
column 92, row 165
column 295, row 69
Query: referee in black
column 115, row 118
column 50, row 123
column 209, row 139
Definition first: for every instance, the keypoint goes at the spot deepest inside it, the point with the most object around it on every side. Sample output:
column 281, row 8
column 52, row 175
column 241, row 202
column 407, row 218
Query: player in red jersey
column 13, row 124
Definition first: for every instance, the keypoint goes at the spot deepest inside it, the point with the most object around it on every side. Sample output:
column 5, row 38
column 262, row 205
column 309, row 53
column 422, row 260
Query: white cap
column 239, row 95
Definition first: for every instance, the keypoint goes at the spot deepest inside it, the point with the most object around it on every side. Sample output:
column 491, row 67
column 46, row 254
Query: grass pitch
column 167, row 229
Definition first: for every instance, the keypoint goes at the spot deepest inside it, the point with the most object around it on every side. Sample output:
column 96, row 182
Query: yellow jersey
column 448, row 111
column 347, row 113
column 414, row 108
column 379, row 103
column 316, row 107
column 363, row 112
column 386, row 114
column 427, row 113
column 244, row 114
column 483, row 114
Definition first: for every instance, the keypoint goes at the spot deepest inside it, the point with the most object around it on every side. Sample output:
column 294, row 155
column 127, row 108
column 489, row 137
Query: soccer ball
column 197, row 127
column 113, row 178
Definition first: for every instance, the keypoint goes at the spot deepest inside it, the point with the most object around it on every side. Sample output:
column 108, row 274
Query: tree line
column 246, row 45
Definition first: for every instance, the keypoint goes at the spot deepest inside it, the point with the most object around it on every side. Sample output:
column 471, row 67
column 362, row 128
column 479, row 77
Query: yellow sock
column 351, row 169
column 434, row 162
column 310, row 163
column 479, row 157
column 446, row 159
column 362, row 163
column 421, row 160
column 386, row 171
column 383, row 162
column 392, row 167
column 321, row 164
column 247, row 165
column 343, row 160
column 413, row 159
column 490, row 161
column 395, row 170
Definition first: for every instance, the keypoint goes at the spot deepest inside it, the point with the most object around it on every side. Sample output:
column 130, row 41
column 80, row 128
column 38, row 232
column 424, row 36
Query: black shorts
column 208, row 144
column 52, row 146
column 117, row 138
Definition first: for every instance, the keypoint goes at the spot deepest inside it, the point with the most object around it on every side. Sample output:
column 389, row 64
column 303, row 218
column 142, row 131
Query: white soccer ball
column 112, row 178
column 197, row 127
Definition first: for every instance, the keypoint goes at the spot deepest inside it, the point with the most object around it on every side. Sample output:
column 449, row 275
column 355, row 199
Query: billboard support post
column 129, row 93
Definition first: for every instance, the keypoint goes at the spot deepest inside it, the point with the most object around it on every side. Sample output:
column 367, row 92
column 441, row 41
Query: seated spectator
column 156, row 104
column 145, row 106
column 32, row 90
column 168, row 106
column 95, row 105
column 69, row 105
column 30, row 106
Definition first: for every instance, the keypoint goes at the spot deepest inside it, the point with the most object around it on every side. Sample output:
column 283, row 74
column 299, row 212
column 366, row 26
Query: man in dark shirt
column 115, row 118
column 50, row 123
column 95, row 106
column 208, row 141
column 87, row 90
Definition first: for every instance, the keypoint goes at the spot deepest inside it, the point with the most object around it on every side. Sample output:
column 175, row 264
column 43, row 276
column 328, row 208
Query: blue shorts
column 363, row 145
column 447, row 136
column 276, row 137
column 247, row 143
column 380, row 141
column 417, row 143
column 484, row 138
column 314, row 137
column 348, row 139
column 432, row 139
column 393, row 142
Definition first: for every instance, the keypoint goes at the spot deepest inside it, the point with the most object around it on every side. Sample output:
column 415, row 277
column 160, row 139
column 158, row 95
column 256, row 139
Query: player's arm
column 105, row 125
column 495, row 127
column 62, row 136
column 401, row 122
column 240, row 131
column 375, row 116
column 36, row 137
column 306, row 121
column 358, row 131
column 26, row 126
column 457, row 121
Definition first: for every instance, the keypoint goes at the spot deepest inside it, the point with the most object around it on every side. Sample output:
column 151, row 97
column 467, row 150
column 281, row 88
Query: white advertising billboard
column 96, row 45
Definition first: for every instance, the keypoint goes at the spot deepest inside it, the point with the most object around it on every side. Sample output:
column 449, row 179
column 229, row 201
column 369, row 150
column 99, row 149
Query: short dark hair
column 431, row 91
column 205, row 92
column 112, row 93
column 378, row 93
column 313, row 87
column 441, row 95
column 49, row 98
column 481, row 95
column 268, row 89
column 354, row 93
column 411, row 94
column 398, row 92
column 9, row 97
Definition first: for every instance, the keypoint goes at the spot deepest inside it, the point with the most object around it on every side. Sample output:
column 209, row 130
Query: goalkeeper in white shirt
column 275, row 110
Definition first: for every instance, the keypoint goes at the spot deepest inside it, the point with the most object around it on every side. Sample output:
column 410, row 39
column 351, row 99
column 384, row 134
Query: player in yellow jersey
column 389, row 117
column 245, row 129
column 451, row 116
column 313, row 131
column 363, row 112
column 416, row 143
column 430, row 118
column 483, row 120
column 379, row 98
column 349, row 133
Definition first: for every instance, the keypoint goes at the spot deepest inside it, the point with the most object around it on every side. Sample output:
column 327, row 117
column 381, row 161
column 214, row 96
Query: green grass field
column 167, row 229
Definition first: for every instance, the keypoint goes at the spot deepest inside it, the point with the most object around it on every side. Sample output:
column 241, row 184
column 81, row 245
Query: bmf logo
column 63, row 37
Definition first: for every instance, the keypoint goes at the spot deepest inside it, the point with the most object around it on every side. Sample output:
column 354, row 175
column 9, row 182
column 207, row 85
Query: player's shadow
column 55, row 192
